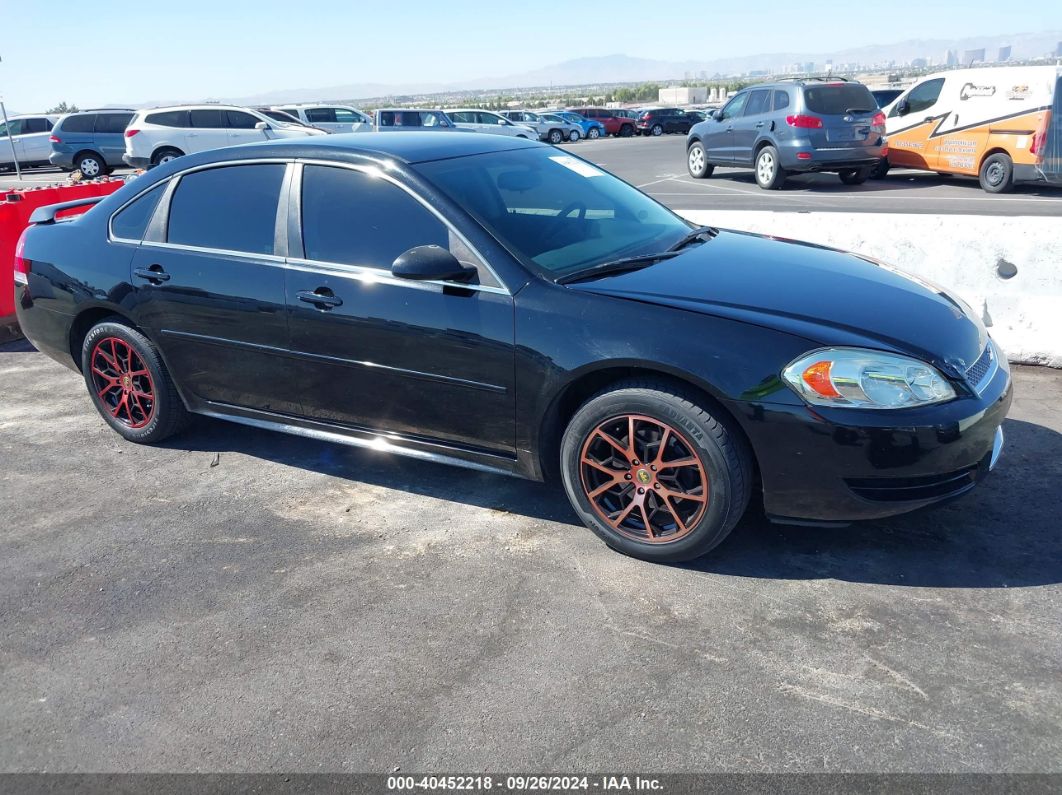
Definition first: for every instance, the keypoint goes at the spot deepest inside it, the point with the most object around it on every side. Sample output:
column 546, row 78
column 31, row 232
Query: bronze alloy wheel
column 643, row 478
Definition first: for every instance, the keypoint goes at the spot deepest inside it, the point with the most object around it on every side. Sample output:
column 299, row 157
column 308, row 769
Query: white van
column 30, row 137
column 330, row 118
column 1000, row 124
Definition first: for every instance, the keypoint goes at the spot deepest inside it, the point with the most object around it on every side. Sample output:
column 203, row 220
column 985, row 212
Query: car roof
column 407, row 147
column 203, row 106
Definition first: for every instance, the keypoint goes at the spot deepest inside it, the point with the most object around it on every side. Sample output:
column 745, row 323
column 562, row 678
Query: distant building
column 951, row 58
column 683, row 96
column 1004, row 54
column 919, row 63
column 970, row 57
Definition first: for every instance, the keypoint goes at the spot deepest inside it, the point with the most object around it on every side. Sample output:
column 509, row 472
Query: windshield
column 557, row 211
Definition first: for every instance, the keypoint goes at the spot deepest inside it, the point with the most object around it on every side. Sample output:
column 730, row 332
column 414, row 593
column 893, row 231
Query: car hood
column 827, row 296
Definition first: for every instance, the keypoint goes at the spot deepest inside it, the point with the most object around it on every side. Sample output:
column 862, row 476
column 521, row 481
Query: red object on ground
column 16, row 207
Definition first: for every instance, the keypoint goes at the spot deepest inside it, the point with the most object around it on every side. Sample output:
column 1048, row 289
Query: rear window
column 78, row 124
column 169, row 118
column 838, row 98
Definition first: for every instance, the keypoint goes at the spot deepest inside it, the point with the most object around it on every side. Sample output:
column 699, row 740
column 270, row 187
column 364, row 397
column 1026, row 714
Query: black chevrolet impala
column 502, row 305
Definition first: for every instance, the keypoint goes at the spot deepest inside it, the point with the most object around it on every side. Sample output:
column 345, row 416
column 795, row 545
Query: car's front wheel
column 769, row 172
column 129, row 384
column 653, row 472
column 697, row 161
column 593, row 133
column 555, row 137
column 573, row 136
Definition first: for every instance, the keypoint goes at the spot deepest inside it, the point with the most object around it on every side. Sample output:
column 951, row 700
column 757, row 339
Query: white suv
column 486, row 121
column 330, row 118
column 159, row 135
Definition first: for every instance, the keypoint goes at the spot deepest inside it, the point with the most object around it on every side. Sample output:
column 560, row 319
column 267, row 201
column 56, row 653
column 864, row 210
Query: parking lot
column 239, row 600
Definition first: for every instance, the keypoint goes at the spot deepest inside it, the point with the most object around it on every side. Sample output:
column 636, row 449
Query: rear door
column 912, row 120
column 207, row 129
column 845, row 112
column 109, row 136
column 36, row 139
column 427, row 359
column 209, row 287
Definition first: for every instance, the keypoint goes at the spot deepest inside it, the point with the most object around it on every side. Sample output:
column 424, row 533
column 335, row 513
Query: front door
column 719, row 140
column 422, row 359
column 209, row 289
column 912, row 121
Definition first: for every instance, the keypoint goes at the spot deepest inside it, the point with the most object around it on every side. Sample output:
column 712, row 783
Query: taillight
column 22, row 265
column 1039, row 139
column 54, row 139
column 131, row 132
column 878, row 120
column 807, row 122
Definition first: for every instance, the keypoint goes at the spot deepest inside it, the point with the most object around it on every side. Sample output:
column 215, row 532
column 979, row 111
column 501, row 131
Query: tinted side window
column 314, row 115
column 924, row 95
column 344, row 116
column 37, row 125
column 78, row 124
column 354, row 219
column 131, row 222
column 463, row 117
column 207, row 118
column 759, row 102
column 781, row 99
column 169, row 118
column 239, row 120
column 232, row 208
column 113, row 122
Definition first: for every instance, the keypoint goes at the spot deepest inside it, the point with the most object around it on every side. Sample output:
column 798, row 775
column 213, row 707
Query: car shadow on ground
column 1004, row 534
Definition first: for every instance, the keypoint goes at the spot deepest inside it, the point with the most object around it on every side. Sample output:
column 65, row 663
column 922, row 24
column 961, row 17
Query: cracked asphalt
column 240, row 600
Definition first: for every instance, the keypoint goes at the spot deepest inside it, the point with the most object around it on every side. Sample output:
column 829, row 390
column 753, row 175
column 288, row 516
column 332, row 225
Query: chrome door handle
column 322, row 298
column 154, row 274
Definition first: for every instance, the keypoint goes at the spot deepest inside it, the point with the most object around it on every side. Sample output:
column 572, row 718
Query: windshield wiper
column 616, row 266
column 694, row 236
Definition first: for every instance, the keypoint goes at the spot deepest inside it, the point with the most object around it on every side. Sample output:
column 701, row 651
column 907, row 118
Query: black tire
column 165, row 154
column 697, row 161
column 881, row 169
column 657, row 129
column 593, row 133
column 626, row 131
column 720, row 453
column 997, row 173
column 855, row 176
column 574, row 136
column 141, row 423
column 91, row 165
column 769, row 176
column 556, row 137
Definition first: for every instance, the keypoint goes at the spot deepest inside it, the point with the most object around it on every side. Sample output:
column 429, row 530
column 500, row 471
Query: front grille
column 927, row 487
column 979, row 371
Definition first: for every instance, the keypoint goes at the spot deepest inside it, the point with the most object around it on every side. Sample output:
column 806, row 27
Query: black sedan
column 497, row 304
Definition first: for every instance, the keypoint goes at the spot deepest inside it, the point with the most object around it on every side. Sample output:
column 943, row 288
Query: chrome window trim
column 380, row 172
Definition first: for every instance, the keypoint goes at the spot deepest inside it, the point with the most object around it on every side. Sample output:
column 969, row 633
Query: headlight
column 865, row 379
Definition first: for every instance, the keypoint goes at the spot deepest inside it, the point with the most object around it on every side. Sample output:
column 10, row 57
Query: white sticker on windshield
column 580, row 167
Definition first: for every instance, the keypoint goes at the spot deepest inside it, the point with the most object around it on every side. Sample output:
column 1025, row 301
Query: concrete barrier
column 1008, row 269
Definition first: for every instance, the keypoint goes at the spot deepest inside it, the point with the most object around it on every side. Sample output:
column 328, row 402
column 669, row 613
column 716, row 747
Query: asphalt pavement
column 241, row 600
column 658, row 167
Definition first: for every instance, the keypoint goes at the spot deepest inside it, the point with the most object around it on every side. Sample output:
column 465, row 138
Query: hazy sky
column 114, row 51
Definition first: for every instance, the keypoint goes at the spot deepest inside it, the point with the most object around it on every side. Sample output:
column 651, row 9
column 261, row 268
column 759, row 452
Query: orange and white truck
column 1000, row 124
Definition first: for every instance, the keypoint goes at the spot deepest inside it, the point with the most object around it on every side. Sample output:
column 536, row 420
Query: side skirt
column 357, row 437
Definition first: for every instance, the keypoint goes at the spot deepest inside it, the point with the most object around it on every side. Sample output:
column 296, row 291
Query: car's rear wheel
column 653, row 473
column 91, row 165
column 574, row 136
column 697, row 161
column 997, row 173
column 593, row 133
column 165, row 155
column 769, row 172
column 555, row 137
column 626, row 131
column 657, row 129
column 855, row 176
column 129, row 384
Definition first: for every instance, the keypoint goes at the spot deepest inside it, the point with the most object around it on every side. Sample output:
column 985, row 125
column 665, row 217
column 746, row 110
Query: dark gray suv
column 792, row 126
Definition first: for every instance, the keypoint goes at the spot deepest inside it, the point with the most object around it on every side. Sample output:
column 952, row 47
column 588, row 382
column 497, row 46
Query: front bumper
column 838, row 465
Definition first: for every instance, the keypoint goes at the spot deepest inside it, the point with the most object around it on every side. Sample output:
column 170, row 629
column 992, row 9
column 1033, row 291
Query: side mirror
column 431, row 263
column 717, row 114
column 504, row 121
column 262, row 125
column 902, row 108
